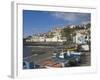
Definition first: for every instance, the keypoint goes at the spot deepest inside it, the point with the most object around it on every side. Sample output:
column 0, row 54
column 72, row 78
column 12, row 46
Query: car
column 83, row 48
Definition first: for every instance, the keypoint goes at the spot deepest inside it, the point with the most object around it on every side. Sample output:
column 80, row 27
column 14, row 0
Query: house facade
column 56, row 37
column 81, row 37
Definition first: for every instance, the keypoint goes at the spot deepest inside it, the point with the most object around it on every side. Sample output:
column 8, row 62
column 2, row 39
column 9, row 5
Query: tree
column 67, row 33
column 88, row 25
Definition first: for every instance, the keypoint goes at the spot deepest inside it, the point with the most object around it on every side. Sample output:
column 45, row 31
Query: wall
column 5, row 40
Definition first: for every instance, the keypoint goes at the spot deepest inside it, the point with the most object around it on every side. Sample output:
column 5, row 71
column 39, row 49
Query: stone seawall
column 43, row 43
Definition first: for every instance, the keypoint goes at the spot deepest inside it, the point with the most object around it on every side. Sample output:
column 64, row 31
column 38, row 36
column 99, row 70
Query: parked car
column 83, row 47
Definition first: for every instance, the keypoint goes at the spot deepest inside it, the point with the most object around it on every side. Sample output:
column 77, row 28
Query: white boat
column 61, row 55
column 76, row 53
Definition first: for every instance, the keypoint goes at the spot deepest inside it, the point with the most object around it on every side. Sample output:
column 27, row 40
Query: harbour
column 51, row 44
column 43, row 56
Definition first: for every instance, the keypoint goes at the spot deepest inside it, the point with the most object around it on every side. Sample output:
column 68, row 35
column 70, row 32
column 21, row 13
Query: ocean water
column 30, row 50
column 27, row 51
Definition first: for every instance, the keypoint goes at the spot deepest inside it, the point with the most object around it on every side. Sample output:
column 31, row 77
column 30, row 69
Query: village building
column 56, row 37
column 81, row 37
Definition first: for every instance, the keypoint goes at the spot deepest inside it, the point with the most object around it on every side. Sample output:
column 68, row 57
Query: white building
column 81, row 38
column 57, row 37
column 72, row 26
column 36, row 39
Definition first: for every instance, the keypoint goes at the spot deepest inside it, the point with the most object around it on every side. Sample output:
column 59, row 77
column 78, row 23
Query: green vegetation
column 67, row 32
column 50, row 35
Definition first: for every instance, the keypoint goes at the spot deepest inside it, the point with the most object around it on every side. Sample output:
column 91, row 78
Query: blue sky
column 44, row 21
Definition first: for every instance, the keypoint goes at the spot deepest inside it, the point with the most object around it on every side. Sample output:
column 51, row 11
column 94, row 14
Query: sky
column 43, row 21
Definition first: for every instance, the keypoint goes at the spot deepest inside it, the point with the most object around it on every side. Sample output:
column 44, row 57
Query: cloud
column 86, row 22
column 73, row 17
